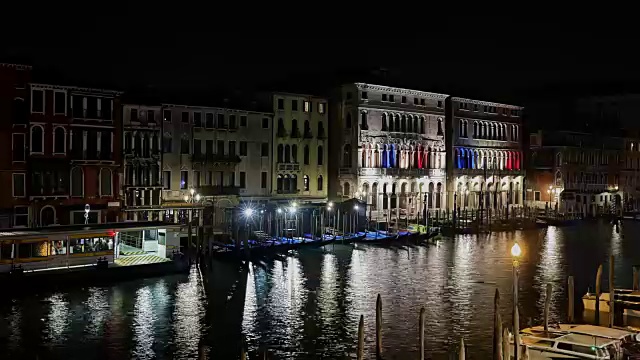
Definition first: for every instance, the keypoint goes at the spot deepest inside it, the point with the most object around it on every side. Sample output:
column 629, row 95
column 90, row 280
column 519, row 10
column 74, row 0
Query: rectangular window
column 243, row 120
column 415, row 101
column 21, row 216
column 207, row 177
column 208, row 121
column 392, row 98
column 197, row 119
column 243, row 148
column 243, row 179
column 280, row 104
column 151, row 116
column 232, row 148
column 422, row 102
column 196, row 179
column 536, row 195
column 322, row 108
column 59, row 102
column 263, row 180
column 208, row 146
column 133, row 115
column 184, row 146
column 166, row 180
column 264, row 149
column 105, row 108
column 440, row 103
column 185, row 117
column 184, row 179
column 364, row 95
column 166, row 115
column 404, row 100
column 167, row 145
column 18, row 185
column 232, row 122
column 294, row 105
column 307, row 106
column 265, row 123
column 197, row 146
column 220, row 151
column 18, row 147
column 37, row 101
column 221, row 121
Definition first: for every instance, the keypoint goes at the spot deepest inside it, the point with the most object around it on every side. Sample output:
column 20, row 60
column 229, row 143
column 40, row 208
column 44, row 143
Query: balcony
column 215, row 190
column 84, row 155
column 346, row 171
column 400, row 172
column 36, row 191
column 289, row 166
column 215, row 158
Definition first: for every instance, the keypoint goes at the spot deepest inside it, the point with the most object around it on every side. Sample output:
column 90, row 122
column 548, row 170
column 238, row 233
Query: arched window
column 305, row 182
column 127, row 142
column 37, row 140
column 384, row 122
column 397, row 120
column 293, row 183
column 137, row 147
column 440, row 132
column 19, row 112
column 294, row 128
column 430, row 196
column 346, row 156
column 320, row 155
column 320, row 184
column 346, row 189
column 59, row 141
column 422, row 125
column 280, row 153
column 321, row 134
column 348, row 121
column 279, row 183
column 167, row 143
column 391, row 123
column 281, row 125
column 475, row 129
column 294, row 153
column 306, row 155
column 285, row 184
column 47, row 216
column 363, row 121
column 403, row 124
column 105, row 182
column 307, row 129
column 287, row 154
column 77, row 182
column 438, row 194
column 416, row 125
column 410, row 123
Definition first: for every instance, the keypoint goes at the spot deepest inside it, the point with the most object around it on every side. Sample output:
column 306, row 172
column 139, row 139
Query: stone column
column 175, row 216
column 397, row 211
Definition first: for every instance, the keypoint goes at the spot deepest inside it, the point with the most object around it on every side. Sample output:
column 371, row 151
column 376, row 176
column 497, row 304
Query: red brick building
column 73, row 154
column 14, row 80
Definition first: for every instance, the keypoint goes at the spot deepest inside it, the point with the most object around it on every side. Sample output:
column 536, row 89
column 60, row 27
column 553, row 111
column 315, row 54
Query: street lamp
column 191, row 198
column 516, row 251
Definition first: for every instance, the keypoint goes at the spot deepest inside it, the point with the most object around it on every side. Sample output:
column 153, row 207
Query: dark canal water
column 307, row 306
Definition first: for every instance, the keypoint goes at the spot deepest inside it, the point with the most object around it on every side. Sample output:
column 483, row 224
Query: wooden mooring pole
column 547, row 304
column 461, row 354
column 612, row 299
column 421, row 332
column 598, row 278
column 497, row 327
column 506, row 348
column 360, row 355
column 379, row 327
column 571, row 292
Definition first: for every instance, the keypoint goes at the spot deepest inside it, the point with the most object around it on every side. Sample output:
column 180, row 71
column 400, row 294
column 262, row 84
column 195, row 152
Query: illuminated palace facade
column 485, row 166
column 388, row 149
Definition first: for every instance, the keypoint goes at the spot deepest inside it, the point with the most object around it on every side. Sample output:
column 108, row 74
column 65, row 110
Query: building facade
column 14, row 125
column 74, row 157
column 484, row 155
column 577, row 173
column 388, row 149
column 300, row 148
column 141, row 191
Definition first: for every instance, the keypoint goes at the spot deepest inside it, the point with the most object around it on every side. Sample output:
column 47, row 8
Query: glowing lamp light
column 355, row 207
column 192, row 191
column 292, row 210
column 330, row 203
column 248, row 212
column 186, row 198
column 295, row 204
column 516, row 251
column 279, row 210
column 197, row 197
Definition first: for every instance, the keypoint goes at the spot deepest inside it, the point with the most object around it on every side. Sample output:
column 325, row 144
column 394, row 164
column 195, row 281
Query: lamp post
column 329, row 209
column 516, row 251
column 356, row 215
column 248, row 214
column 191, row 198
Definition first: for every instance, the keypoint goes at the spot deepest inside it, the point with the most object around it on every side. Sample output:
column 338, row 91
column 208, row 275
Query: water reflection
column 309, row 303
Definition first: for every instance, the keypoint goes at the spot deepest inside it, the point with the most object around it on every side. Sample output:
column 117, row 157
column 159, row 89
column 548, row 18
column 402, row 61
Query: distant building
column 14, row 131
column 141, row 145
column 74, row 157
column 387, row 147
column 484, row 154
column 576, row 172
column 300, row 148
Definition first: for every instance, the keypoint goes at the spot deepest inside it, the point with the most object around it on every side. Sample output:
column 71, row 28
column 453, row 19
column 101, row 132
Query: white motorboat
column 568, row 341
column 629, row 299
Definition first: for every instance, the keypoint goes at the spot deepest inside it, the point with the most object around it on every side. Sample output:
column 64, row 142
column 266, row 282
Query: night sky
column 496, row 58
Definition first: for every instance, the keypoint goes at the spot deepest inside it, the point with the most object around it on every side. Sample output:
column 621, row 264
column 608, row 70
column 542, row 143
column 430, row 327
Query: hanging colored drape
column 384, row 157
column 517, row 161
column 394, row 159
column 419, row 157
column 473, row 160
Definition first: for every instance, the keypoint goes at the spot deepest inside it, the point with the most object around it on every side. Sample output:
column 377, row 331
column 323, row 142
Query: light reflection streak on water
column 15, row 326
column 250, row 306
column 143, row 324
column 58, row 318
column 327, row 292
column 461, row 277
column 549, row 270
column 97, row 309
column 190, row 303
